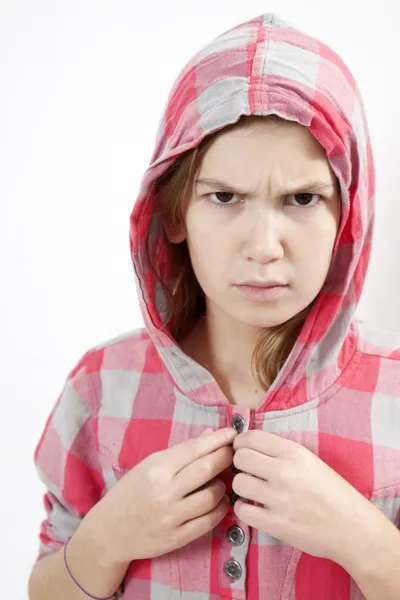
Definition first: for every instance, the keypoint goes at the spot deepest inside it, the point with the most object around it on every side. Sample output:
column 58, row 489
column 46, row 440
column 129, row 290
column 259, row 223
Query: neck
column 225, row 349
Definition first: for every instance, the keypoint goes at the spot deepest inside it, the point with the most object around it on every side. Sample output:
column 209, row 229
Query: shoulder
column 133, row 336
column 105, row 364
column 134, row 339
column 125, row 351
column 376, row 341
column 108, row 366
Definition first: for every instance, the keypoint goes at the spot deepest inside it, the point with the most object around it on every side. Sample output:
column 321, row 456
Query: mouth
column 262, row 291
column 262, row 284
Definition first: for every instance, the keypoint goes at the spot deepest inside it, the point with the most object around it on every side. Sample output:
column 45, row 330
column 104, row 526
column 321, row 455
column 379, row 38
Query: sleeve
column 66, row 457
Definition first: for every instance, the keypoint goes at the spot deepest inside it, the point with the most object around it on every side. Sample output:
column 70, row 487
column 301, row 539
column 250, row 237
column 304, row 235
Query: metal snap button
column 233, row 569
column 238, row 423
column 236, row 535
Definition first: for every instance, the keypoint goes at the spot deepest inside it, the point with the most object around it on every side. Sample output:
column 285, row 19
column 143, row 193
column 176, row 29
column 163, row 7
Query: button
column 234, row 497
column 233, row 569
column 236, row 535
column 238, row 423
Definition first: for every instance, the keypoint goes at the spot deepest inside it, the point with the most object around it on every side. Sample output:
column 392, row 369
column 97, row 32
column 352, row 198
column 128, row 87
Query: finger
column 257, row 517
column 195, row 528
column 206, row 431
column 201, row 471
column 250, row 488
column 254, row 463
column 183, row 454
column 201, row 502
column 267, row 443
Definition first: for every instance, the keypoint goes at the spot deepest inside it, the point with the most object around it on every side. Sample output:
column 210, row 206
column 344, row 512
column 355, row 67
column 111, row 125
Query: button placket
column 238, row 423
column 236, row 535
column 233, row 569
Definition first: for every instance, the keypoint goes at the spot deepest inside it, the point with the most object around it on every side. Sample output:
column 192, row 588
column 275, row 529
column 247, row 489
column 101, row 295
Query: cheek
column 311, row 249
column 323, row 239
column 204, row 252
column 207, row 241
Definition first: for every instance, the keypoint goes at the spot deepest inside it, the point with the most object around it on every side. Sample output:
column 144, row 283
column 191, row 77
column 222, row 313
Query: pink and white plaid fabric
column 338, row 393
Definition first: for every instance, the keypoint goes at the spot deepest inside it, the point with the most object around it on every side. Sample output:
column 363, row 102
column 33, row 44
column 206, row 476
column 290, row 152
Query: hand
column 157, row 507
column 306, row 503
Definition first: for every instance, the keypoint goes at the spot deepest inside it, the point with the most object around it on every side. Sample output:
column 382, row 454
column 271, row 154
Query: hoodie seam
column 364, row 353
column 379, row 356
column 257, row 75
column 266, row 46
column 388, row 488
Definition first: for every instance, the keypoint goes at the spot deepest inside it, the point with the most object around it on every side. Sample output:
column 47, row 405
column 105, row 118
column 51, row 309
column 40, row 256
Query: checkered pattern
column 338, row 393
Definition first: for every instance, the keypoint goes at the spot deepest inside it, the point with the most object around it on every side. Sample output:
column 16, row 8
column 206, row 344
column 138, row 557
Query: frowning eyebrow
column 300, row 188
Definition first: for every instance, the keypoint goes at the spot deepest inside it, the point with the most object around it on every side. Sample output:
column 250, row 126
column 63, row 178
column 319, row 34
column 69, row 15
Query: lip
column 262, row 292
column 262, row 284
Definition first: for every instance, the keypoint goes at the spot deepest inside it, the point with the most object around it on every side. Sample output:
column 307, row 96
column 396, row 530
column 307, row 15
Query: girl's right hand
column 158, row 506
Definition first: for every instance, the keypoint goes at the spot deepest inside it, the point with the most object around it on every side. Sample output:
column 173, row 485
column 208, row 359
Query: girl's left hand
column 306, row 503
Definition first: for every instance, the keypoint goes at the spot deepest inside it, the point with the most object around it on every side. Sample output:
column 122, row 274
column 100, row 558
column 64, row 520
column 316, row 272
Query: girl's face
column 267, row 222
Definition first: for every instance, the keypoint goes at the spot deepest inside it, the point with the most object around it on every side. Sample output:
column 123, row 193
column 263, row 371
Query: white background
column 83, row 85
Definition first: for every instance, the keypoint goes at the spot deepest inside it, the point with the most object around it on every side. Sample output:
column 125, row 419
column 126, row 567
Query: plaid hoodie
column 338, row 392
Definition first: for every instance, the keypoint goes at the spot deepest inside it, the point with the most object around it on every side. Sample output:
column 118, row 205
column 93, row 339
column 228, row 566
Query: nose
column 263, row 242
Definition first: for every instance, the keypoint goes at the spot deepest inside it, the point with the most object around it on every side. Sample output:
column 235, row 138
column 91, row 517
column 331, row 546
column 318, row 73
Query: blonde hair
column 185, row 297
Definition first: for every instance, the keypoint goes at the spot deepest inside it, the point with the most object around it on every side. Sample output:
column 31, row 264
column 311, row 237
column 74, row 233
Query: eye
column 304, row 199
column 222, row 198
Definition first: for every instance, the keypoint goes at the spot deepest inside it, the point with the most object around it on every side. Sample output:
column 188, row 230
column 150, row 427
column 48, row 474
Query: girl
column 250, row 242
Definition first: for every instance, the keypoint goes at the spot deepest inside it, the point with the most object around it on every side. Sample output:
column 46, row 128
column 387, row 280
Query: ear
column 175, row 233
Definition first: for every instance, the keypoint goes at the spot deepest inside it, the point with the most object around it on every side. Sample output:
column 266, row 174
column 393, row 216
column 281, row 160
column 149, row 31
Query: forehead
column 286, row 149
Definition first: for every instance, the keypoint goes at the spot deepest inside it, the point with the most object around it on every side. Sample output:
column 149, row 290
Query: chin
column 264, row 321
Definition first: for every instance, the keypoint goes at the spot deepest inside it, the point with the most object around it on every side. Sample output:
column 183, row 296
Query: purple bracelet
column 79, row 586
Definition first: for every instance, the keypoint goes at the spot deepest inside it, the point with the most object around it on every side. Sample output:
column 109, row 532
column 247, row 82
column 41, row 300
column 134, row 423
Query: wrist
column 96, row 536
column 366, row 543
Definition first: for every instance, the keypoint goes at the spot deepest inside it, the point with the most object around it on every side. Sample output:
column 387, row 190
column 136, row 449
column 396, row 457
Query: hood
column 266, row 66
